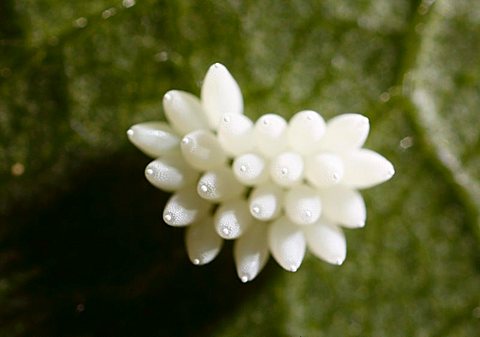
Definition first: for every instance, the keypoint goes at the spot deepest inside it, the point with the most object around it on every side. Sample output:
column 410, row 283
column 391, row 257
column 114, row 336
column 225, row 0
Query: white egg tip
column 167, row 97
column 167, row 217
column 217, row 65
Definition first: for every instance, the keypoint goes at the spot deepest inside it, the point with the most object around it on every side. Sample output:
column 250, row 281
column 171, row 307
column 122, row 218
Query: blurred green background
column 83, row 249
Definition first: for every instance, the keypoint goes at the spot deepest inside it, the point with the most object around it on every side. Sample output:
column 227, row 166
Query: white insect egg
column 202, row 150
column 303, row 205
column 326, row 241
column 305, row 130
column 202, row 241
column 232, row 218
column 324, row 170
column 184, row 111
column 365, row 168
column 250, row 169
column 235, row 133
column 287, row 243
column 250, row 251
column 270, row 133
column 345, row 133
column 155, row 139
column 266, row 202
column 219, row 185
column 185, row 207
column 344, row 206
column 287, row 169
column 170, row 173
column 220, row 94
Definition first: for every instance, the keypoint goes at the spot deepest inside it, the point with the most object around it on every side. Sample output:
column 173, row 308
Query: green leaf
column 83, row 250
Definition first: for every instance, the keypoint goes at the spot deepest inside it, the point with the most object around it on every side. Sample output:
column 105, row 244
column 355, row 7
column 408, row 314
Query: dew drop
column 196, row 261
column 243, row 168
column 293, row 268
column 80, row 22
column 284, row 171
column 256, row 209
column 338, row 261
column 161, row 56
column 308, row 213
column 149, row 172
column 167, row 97
column 226, row 231
column 244, row 278
column 406, row 143
column 109, row 13
column 204, row 188
column 128, row 3
column 185, row 140
column 385, row 96
column 130, row 132
column 17, row 169
column 226, row 119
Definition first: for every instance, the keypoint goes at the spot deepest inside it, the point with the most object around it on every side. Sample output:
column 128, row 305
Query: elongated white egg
column 287, row 243
column 185, row 207
column 232, row 218
column 170, row 173
column 270, row 135
column 266, row 201
column 219, row 185
column 250, row 251
column 250, row 169
column 287, row 169
column 184, row 112
column 202, row 150
column 305, row 130
column 155, row 139
column 202, row 241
